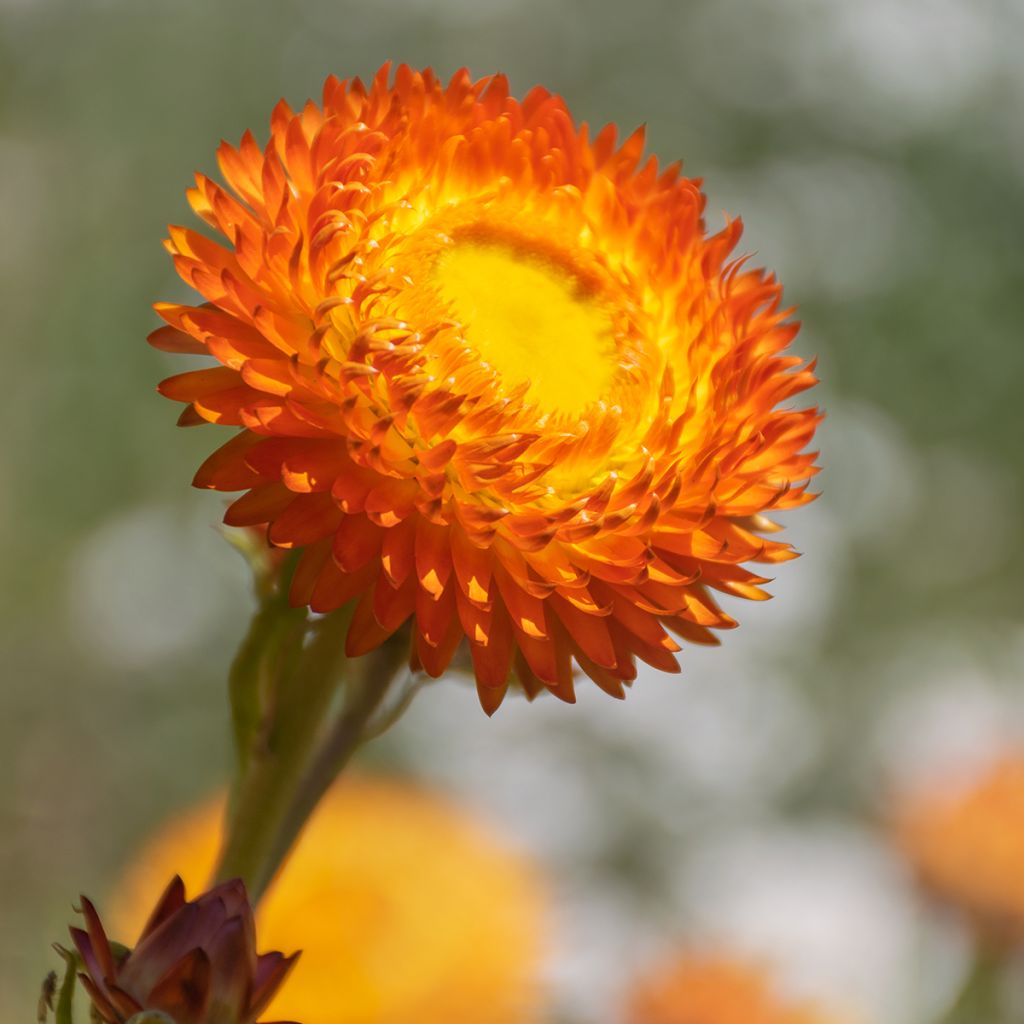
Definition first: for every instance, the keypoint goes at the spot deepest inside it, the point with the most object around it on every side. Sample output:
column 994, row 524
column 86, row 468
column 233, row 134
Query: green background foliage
column 875, row 152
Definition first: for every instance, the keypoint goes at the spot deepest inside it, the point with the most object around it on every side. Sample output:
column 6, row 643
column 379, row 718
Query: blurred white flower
column 922, row 58
column 881, row 67
column 828, row 908
column 947, row 715
column 843, row 226
column 603, row 941
column 872, row 477
column 149, row 585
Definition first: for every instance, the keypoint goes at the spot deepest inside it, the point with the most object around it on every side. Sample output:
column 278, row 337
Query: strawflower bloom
column 195, row 962
column 490, row 373
column 406, row 908
column 690, row 988
column 965, row 839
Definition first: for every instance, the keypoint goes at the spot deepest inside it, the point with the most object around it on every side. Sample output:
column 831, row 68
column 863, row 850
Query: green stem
column 980, row 998
column 298, row 679
column 265, row 658
column 291, row 742
column 366, row 688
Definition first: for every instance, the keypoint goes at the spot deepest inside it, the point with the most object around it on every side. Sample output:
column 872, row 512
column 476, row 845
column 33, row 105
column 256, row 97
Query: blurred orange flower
column 405, row 908
column 693, row 989
column 965, row 839
column 492, row 375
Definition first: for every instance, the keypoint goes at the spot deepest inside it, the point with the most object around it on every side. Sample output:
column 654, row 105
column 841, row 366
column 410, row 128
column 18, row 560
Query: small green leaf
column 65, row 1001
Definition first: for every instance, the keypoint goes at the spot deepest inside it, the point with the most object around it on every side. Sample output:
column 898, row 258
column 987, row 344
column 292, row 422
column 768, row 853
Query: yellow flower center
column 532, row 319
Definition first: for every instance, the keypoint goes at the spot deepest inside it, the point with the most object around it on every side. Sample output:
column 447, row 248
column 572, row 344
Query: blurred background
column 876, row 154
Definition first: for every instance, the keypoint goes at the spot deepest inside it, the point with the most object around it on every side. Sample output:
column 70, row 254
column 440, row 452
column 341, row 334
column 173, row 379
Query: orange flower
column 405, row 909
column 491, row 375
column 692, row 989
column 966, row 842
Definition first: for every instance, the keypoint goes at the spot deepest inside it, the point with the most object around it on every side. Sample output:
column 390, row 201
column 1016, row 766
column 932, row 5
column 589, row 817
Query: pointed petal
column 271, row 971
column 184, row 991
column 172, row 900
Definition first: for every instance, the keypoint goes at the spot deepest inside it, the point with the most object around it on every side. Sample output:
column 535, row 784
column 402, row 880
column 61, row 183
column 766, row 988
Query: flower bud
column 195, row 963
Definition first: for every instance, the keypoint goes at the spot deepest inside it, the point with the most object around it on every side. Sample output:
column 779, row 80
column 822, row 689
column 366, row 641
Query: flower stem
column 291, row 738
column 366, row 689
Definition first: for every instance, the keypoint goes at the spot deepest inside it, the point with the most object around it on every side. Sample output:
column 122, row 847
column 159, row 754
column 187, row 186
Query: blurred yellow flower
column 690, row 988
column 406, row 909
column 966, row 842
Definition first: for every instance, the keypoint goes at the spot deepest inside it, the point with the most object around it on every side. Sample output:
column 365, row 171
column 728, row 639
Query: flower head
column 966, row 842
column 406, row 908
column 693, row 989
column 195, row 962
column 492, row 375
